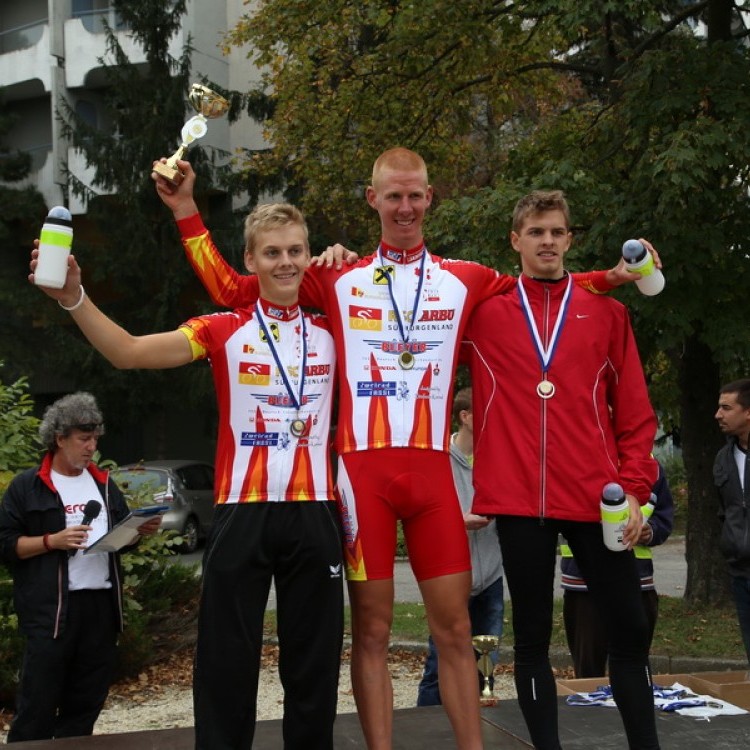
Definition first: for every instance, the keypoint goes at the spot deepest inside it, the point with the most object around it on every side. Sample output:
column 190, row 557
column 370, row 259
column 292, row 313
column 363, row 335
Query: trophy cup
column 486, row 644
column 209, row 105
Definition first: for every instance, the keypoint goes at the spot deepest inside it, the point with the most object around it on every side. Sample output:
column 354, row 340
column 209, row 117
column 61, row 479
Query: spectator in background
column 731, row 480
column 69, row 605
column 584, row 629
column 486, row 601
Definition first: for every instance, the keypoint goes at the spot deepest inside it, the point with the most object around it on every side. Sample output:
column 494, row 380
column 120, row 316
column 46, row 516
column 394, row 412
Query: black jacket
column 32, row 506
column 734, row 510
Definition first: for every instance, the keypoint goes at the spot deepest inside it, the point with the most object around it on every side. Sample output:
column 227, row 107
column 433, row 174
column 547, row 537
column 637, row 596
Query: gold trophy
column 486, row 644
column 209, row 105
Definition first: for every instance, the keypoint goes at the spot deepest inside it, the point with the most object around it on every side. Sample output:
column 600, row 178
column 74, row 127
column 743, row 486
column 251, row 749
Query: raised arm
column 124, row 351
column 225, row 286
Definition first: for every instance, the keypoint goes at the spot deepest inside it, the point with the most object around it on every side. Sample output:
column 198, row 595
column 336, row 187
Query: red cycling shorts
column 377, row 488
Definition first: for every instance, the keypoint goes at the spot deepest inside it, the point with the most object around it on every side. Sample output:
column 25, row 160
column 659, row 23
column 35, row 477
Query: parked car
column 186, row 486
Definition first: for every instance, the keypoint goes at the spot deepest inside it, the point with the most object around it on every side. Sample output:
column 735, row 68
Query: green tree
column 22, row 214
column 638, row 109
column 132, row 258
column 344, row 80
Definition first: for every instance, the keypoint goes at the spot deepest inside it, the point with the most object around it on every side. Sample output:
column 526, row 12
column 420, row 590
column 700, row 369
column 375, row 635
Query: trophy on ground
column 486, row 644
column 209, row 105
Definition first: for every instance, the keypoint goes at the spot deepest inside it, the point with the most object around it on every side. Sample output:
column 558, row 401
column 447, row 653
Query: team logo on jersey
column 375, row 388
column 274, row 328
column 396, row 347
column 380, row 274
column 248, row 349
column 275, row 312
column 259, row 439
column 365, row 318
column 335, row 570
column 430, row 316
column 283, row 400
column 317, row 371
column 254, row 373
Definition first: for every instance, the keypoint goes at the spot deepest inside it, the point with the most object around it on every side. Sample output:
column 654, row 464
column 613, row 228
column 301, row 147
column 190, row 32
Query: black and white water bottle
column 55, row 242
column 639, row 260
column 615, row 515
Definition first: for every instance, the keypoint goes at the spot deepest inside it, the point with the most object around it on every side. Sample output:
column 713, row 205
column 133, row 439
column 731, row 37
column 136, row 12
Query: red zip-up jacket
column 551, row 458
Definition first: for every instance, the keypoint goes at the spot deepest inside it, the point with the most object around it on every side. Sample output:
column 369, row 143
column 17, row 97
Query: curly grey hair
column 76, row 411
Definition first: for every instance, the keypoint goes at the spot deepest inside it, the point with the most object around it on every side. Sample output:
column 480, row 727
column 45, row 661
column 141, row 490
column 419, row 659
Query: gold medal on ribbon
column 406, row 360
column 545, row 389
column 298, row 427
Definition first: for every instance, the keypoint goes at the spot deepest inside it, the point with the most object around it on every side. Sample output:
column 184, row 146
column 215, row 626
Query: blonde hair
column 537, row 202
column 401, row 159
column 271, row 216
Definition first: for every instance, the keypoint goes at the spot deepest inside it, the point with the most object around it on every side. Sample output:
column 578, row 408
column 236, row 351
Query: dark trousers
column 741, row 594
column 64, row 681
column 299, row 547
column 529, row 557
column 587, row 634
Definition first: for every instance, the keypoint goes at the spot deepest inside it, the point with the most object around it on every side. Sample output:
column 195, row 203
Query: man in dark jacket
column 69, row 605
column 731, row 480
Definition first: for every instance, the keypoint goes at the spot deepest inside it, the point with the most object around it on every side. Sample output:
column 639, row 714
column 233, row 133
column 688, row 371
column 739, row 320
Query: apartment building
column 50, row 50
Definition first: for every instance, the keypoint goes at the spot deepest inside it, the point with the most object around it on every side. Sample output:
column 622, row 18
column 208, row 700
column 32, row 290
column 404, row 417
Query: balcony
column 86, row 42
column 25, row 56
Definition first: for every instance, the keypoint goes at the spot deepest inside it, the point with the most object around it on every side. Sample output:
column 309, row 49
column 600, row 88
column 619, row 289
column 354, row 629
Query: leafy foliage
column 639, row 110
column 19, row 443
column 349, row 79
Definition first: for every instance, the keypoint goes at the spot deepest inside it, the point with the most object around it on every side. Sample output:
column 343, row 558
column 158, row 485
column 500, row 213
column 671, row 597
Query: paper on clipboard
column 125, row 532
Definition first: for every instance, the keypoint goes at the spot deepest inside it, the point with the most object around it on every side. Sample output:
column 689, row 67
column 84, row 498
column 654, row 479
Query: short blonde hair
column 401, row 159
column 538, row 202
column 271, row 216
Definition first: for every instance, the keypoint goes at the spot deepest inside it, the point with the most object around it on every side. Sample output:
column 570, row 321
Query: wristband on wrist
column 77, row 304
column 45, row 542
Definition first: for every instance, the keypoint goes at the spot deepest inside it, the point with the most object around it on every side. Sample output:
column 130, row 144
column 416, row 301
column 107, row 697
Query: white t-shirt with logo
column 84, row 571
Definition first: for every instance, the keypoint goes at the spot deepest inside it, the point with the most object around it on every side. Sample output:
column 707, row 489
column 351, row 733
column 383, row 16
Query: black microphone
column 90, row 511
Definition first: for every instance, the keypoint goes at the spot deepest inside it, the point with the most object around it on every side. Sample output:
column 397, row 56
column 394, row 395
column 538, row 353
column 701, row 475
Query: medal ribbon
column 405, row 333
column 296, row 399
column 545, row 354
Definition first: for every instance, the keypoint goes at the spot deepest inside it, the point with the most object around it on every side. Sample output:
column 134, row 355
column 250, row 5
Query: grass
column 681, row 630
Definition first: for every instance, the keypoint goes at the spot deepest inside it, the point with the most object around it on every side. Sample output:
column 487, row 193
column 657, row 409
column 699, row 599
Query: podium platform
column 503, row 728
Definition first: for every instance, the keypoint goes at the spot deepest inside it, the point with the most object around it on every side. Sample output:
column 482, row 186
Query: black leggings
column 529, row 549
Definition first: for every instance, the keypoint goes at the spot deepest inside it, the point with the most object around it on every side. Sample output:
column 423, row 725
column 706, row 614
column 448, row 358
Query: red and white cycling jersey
column 381, row 405
column 258, row 458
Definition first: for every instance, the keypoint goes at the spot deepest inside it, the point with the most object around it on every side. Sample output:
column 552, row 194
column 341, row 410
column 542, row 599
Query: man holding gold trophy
column 275, row 518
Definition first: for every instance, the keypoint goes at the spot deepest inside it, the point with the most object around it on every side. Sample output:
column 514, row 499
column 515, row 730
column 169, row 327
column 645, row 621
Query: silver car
column 186, row 486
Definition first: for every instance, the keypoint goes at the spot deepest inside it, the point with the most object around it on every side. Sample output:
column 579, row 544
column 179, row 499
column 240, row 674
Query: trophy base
column 170, row 174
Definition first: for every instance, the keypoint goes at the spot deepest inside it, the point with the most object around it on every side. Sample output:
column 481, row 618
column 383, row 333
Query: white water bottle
column 55, row 242
column 639, row 260
column 615, row 515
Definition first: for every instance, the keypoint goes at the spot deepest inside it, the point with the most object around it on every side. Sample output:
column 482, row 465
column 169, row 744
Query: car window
column 131, row 481
column 195, row 477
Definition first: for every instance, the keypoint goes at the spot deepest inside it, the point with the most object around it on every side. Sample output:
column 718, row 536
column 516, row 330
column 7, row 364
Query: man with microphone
column 69, row 605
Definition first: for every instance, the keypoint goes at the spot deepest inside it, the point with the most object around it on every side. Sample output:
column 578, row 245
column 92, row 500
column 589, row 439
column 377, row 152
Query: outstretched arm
column 124, row 351
column 601, row 282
